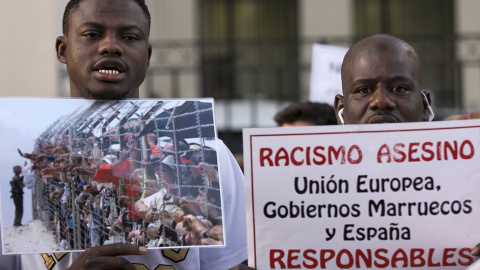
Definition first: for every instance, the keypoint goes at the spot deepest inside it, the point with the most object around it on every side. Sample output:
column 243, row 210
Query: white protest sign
column 363, row 196
column 325, row 80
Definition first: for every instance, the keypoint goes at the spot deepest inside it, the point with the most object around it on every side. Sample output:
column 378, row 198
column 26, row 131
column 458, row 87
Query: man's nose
column 110, row 45
column 382, row 99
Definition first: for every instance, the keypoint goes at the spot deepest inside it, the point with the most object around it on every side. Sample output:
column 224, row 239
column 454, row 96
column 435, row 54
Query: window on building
column 429, row 27
column 249, row 49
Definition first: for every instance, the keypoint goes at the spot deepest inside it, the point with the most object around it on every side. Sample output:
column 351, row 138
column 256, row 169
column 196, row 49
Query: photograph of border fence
column 137, row 171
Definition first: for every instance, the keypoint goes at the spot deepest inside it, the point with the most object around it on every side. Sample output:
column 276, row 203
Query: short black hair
column 317, row 113
column 72, row 5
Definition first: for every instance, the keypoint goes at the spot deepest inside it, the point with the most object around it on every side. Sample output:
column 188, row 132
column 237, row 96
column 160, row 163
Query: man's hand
column 105, row 257
column 27, row 155
column 191, row 206
column 143, row 210
column 211, row 172
column 178, row 215
column 82, row 171
column 476, row 250
column 137, row 235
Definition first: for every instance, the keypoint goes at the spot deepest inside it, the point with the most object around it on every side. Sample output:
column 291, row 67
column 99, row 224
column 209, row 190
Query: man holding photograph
column 106, row 50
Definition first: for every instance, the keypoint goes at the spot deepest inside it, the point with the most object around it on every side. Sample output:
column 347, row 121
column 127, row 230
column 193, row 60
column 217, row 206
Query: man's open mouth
column 110, row 66
column 109, row 74
column 109, row 71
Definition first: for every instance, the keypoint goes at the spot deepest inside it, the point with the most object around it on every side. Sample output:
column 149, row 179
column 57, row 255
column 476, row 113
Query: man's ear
column 61, row 48
column 149, row 54
column 427, row 106
column 338, row 105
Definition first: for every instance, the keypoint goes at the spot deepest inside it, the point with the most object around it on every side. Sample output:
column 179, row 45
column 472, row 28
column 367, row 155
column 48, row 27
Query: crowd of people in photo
column 116, row 185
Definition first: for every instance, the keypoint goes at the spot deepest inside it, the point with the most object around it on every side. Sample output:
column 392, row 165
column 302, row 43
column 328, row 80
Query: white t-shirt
column 29, row 176
column 207, row 258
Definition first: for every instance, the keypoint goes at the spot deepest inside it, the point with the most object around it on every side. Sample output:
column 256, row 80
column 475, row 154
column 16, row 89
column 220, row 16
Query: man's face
column 17, row 169
column 168, row 150
column 106, row 49
column 381, row 87
column 87, row 188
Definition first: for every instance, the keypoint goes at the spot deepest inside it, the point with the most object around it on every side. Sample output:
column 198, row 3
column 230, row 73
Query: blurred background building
column 253, row 56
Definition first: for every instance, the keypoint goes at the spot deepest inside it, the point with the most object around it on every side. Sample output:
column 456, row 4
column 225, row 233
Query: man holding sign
column 381, row 81
column 366, row 196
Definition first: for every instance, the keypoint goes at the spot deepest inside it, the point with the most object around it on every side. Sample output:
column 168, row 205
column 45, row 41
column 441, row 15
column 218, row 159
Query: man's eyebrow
column 390, row 80
column 92, row 24
column 130, row 27
column 121, row 28
column 400, row 79
column 364, row 81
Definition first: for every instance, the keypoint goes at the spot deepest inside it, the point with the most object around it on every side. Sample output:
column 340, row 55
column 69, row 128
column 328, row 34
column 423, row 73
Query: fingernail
column 143, row 249
column 474, row 251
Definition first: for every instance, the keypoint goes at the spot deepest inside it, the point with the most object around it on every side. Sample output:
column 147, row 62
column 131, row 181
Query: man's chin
column 382, row 119
column 113, row 95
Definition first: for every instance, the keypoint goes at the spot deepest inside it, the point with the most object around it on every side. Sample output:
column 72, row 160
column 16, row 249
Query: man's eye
column 364, row 90
column 91, row 35
column 130, row 38
column 399, row 89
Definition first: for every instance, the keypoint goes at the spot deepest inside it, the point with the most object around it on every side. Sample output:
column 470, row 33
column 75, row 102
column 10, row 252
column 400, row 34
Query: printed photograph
column 84, row 173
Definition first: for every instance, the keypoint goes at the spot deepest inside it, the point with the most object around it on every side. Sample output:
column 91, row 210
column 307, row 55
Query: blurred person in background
column 306, row 114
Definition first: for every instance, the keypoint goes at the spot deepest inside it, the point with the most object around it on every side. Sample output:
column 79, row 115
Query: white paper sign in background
column 325, row 80
column 363, row 196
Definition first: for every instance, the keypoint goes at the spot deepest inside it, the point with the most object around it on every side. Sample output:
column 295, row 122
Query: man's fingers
column 476, row 250
column 116, row 249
